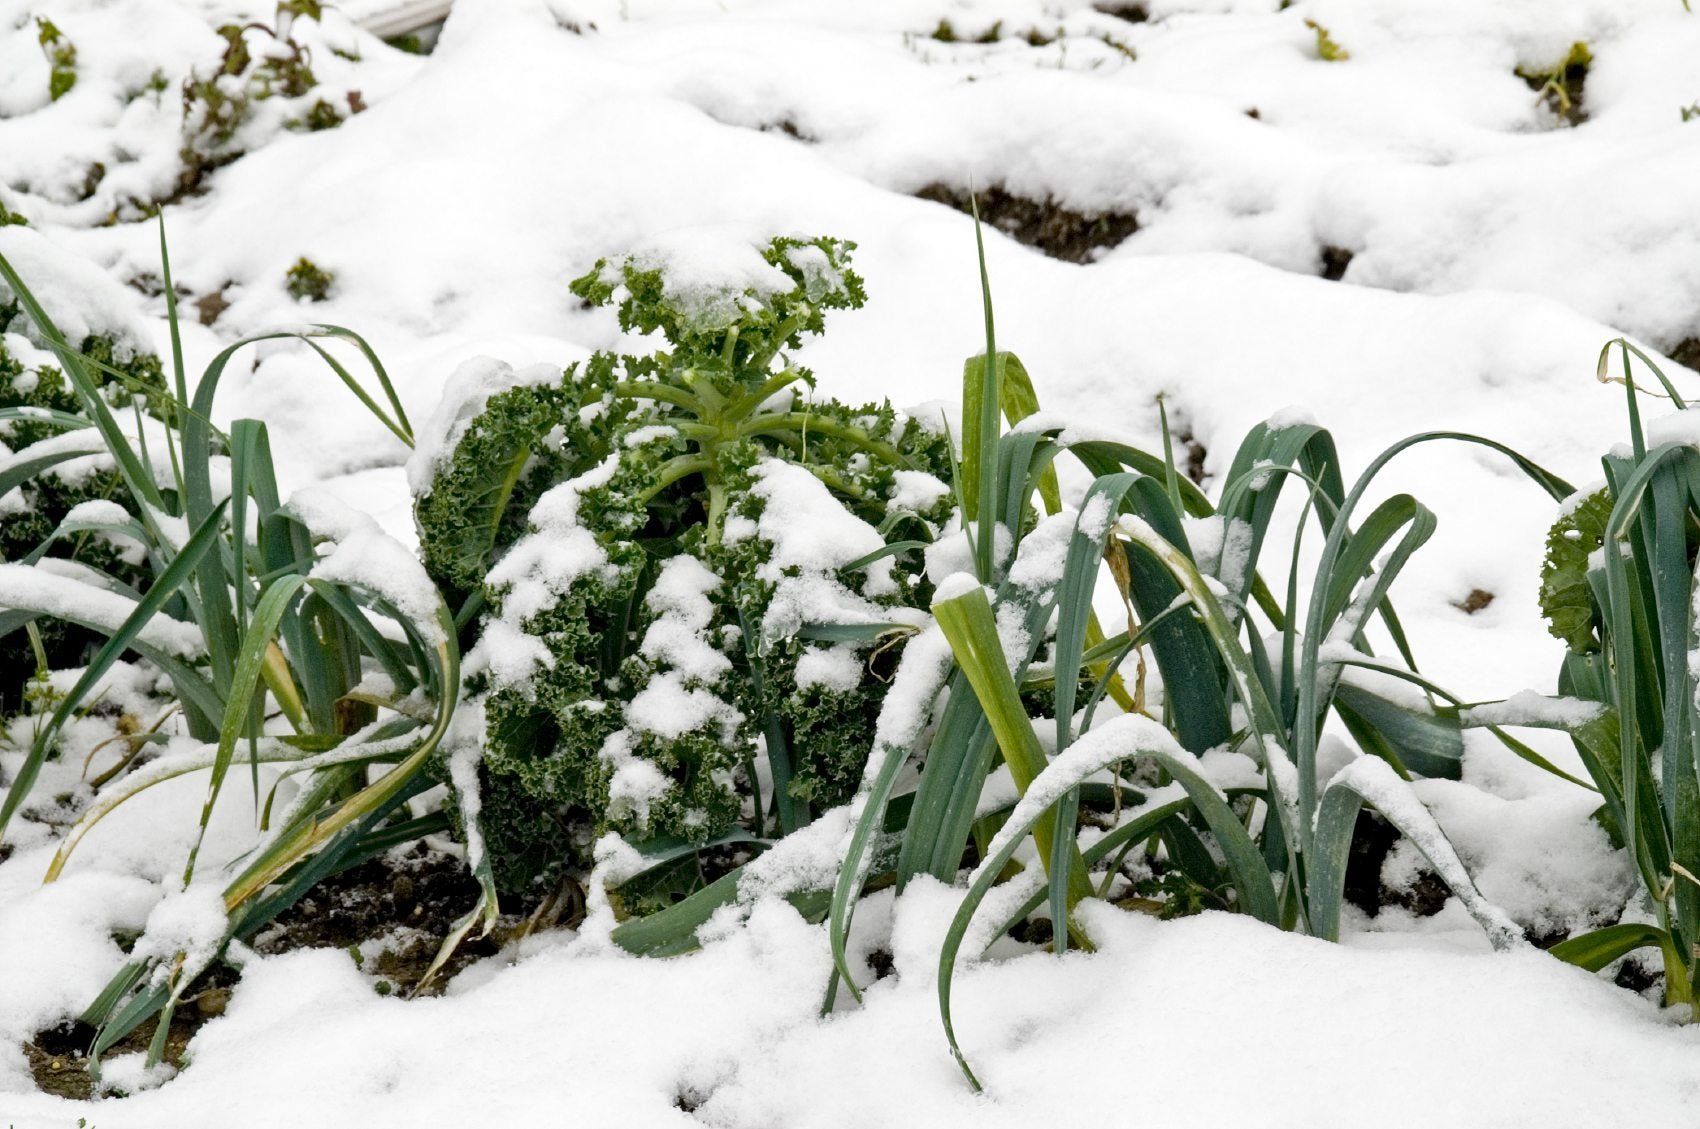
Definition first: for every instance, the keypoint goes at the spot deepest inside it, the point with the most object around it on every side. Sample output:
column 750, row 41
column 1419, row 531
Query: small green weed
column 1327, row 49
column 1560, row 86
column 61, row 58
column 307, row 282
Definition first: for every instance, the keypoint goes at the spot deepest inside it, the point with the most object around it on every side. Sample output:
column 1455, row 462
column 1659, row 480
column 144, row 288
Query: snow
column 43, row 589
column 189, row 923
column 364, row 557
column 1492, row 249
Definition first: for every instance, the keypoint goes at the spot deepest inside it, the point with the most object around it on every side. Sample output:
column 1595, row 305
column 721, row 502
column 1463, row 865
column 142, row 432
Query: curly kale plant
column 31, row 513
column 680, row 562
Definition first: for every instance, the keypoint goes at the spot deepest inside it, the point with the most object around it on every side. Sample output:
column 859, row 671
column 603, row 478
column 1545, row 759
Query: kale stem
column 835, row 480
column 705, row 433
column 808, row 421
column 716, row 511
column 780, row 336
column 671, row 471
column 754, row 400
column 655, row 390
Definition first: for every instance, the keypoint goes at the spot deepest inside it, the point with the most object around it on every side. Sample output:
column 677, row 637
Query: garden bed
column 592, row 692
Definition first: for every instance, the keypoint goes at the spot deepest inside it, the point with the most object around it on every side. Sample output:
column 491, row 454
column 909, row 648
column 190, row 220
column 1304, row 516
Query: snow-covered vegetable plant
column 294, row 635
column 1619, row 587
column 999, row 723
column 691, row 572
column 264, row 67
column 37, row 403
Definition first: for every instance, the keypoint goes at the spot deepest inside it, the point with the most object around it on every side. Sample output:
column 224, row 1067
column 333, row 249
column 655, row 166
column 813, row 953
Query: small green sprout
column 1327, row 49
column 1560, row 86
column 307, row 282
column 61, row 57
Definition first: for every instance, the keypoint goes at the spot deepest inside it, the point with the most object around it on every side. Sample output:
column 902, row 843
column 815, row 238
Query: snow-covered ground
column 1489, row 251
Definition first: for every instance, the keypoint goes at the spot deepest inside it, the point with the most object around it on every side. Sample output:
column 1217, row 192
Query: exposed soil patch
column 789, row 128
column 1372, row 840
column 1636, row 977
column 1073, row 237
column 210, row 306
column 1335, row 260
column 412, row 902
column 1192, row 455
column 1478, row 599
column 1686, row 352
column 58, row 1057
column 409, row 904
column 1133, row 11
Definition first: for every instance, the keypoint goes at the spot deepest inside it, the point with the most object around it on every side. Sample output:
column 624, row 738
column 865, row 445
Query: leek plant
column 282, row 647
column 1619, row 586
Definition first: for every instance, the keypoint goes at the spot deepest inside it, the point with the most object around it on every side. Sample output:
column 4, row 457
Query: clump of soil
column 1686, row 352
column 1478, row 599
column 1133, row 11
column 1073, row 237
column 1335, row 260
column 413, row 902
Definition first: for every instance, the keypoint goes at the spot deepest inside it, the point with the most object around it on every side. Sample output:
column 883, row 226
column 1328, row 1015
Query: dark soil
column 1686, row 352
column 417, row 899
column 58, row 1057
column 1478, row 599
column 210, row 306
column 1073, row 237
column 413, row 901
column 1372, row 842
column 1133, row 11
column 789, row 128
column 1335, row 260
column 1190, row 455
column 1636, row 978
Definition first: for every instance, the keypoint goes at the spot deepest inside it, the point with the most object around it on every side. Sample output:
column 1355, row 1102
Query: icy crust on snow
column 45, row 589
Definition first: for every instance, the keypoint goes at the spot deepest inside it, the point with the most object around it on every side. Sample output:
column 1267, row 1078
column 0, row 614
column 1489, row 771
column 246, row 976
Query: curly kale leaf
column 1567, row 602
column 525, row 439
column 739, row 324
column 43, row 502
